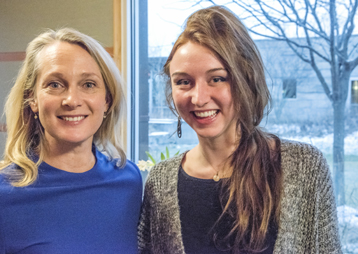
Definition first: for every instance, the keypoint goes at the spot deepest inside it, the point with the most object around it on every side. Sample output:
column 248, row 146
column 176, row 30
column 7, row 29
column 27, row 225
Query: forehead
column 193, row 56
column 65, row 55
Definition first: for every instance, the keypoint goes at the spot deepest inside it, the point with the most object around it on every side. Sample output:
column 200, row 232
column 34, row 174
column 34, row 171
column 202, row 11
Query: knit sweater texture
column 308, row 219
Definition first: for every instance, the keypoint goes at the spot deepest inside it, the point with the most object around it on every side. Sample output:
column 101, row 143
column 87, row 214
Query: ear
column 33, row 106
column 106, row 107
column 108, row 101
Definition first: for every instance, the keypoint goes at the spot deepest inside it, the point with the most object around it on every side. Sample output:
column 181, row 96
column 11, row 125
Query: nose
column 72, row 98
column 200, row 94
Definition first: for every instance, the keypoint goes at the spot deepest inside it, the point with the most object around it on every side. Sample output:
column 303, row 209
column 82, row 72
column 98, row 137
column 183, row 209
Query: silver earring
column 179, row 127
column 104, row 115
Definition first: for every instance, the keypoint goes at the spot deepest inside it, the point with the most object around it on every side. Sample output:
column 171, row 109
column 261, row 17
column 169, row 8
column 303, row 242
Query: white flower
column 145, row 165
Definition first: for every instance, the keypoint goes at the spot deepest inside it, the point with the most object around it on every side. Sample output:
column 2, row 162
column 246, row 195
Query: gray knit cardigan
column 308, row 220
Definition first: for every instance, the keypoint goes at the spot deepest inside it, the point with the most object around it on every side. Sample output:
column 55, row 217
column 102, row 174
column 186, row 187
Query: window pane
column 157, row 125
column 354, row 92
column 289, row 88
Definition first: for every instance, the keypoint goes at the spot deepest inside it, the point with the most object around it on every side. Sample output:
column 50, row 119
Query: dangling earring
column 179, row 127
column 35, row 116
column 104, row 115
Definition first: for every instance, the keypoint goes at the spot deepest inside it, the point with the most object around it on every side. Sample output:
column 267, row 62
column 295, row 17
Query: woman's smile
column 70, row 98
column 205, row 114
column 202, row 92
column 72, row 118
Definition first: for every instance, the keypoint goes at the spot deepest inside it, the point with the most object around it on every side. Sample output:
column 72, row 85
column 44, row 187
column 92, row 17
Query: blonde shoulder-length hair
column 25, row 135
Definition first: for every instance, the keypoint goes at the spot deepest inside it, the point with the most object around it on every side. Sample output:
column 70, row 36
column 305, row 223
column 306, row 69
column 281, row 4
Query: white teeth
column 206, row 113
column 73, row 119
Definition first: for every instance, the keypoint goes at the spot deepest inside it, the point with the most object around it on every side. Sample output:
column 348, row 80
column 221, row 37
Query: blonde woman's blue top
column 92, row 212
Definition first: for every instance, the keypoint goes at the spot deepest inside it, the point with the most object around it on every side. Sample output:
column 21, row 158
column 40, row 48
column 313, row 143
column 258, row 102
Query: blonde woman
column 241, row 189
column 65, row 183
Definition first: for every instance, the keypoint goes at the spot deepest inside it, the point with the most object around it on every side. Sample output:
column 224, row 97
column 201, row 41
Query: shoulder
column 9, row 172
column 302, row 162
column 131, row 167
column 128, row 168
column 167, row 166
column 295, row 147
column 165, row 172
column 6, row 174
column 299, row 151
column 3, row 180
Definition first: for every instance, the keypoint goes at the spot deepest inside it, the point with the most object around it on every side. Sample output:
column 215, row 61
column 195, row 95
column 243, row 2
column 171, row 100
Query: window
column 308, row 118
column 155, row 26
column 354, row 92
column 289, row 88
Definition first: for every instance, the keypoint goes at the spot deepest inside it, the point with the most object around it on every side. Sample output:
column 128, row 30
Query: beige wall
column 22, row 20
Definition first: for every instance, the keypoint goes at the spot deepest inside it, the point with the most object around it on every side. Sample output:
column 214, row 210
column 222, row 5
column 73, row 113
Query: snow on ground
column 348, row 228
column 347, row 214
column 325, row 143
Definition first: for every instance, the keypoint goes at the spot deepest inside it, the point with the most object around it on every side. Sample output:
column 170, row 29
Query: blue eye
column 89, row 84
column 54, row 85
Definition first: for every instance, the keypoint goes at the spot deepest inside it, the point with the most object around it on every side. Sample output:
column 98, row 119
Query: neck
column 77, row 159
column 216, row 156
column 209, row 159
column 217, row 150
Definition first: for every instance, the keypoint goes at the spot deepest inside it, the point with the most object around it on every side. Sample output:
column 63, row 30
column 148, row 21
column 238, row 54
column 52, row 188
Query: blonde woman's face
column 201, row 92
column 70, row 95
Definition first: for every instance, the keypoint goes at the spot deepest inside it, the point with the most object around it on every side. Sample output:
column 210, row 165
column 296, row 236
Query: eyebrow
column 83, row 75
column 89, row 74
column 186, row 74
column 55, row 74
column 179, row 73
column 216, row 69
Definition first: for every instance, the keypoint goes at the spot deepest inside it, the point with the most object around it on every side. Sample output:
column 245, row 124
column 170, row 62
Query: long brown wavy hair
column 251, row 196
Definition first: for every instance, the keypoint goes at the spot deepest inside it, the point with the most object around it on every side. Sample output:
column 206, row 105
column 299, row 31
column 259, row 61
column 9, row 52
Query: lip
column 205, row 113
column 72, row 118
column 205, row 116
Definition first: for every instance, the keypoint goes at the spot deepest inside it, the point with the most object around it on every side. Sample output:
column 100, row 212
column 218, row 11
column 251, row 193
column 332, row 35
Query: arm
column 144, row 234
column 328, row 235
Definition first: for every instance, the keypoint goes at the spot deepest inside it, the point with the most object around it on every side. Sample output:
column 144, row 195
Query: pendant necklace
column 216, row 177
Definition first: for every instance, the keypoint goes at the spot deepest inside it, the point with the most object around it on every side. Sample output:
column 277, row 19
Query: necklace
column 216, row 177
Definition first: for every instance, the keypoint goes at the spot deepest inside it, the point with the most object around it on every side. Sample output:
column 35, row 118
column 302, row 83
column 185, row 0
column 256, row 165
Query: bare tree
column 320, row 32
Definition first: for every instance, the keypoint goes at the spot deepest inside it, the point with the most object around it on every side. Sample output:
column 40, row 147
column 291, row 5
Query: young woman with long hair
column 241, row 189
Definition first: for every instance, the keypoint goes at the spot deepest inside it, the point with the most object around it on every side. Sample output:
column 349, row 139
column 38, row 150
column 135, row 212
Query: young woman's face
column 70, row 97
column 201, row 92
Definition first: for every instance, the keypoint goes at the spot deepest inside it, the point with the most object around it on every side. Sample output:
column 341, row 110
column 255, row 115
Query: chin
column 209, row 135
